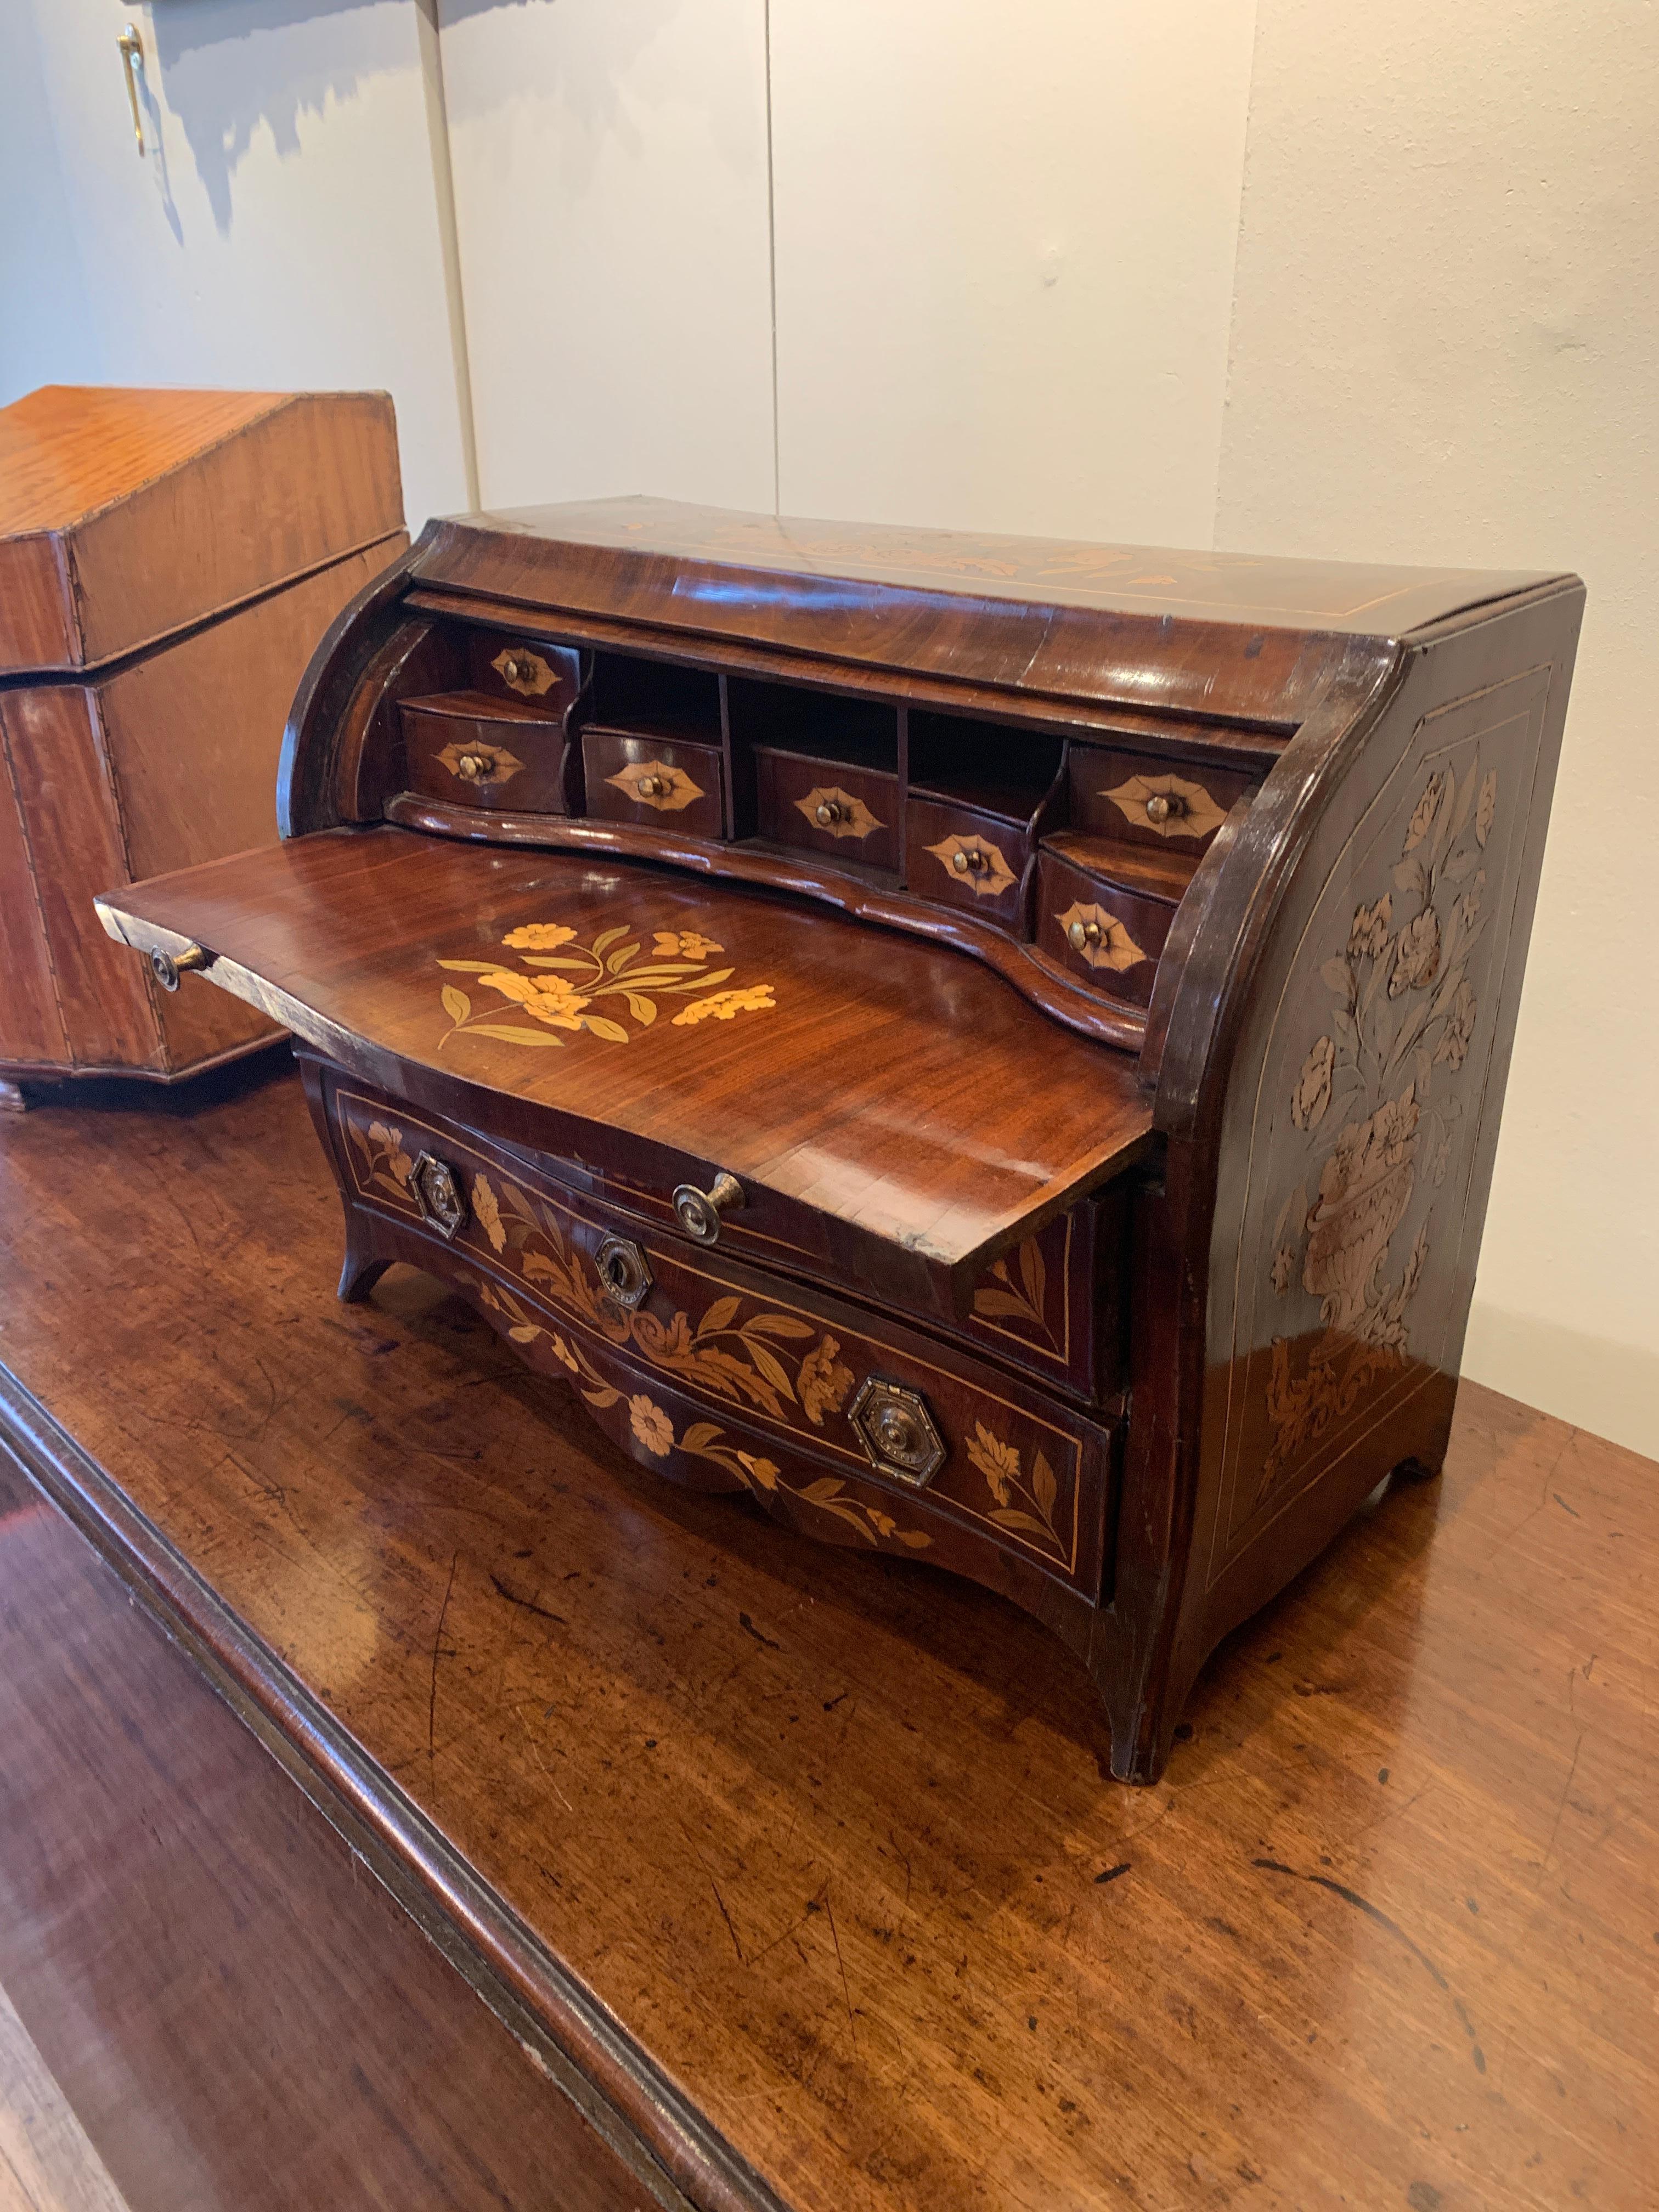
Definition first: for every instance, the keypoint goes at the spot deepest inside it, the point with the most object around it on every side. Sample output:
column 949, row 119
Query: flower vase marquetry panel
column 1357, row 1234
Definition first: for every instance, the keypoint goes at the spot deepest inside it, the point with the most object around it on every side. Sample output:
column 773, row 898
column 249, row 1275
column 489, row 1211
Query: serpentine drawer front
column 837, row 807
column 914, row 1444
column 994, row 1047
column 636, row 776
column 480, row 752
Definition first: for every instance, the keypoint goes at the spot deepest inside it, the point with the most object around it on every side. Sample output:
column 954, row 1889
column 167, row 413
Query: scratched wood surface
column 830, row 1834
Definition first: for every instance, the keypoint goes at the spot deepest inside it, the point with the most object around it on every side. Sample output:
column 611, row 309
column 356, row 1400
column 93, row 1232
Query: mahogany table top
column 829, row 1835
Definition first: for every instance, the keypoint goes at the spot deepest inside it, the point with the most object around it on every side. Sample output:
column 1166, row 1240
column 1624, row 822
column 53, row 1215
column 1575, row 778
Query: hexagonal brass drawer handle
column 897, row 1431
column 438, row 1194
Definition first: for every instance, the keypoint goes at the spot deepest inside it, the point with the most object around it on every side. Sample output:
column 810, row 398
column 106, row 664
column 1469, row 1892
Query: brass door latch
column 130, row 47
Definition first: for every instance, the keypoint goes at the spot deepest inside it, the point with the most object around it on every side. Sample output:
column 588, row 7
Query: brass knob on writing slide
column 699, row 1212
column 1163, row 803
column 473, row 766
column 1083, row 932
column 828, row 810
column 168, row 967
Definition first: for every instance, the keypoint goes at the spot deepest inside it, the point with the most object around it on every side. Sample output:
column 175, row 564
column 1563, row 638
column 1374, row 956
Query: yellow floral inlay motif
column 651, row 1425
column 610, row 968
column 539, row 936
column 724, row 1004
column 682, row 944
column 489, row 1212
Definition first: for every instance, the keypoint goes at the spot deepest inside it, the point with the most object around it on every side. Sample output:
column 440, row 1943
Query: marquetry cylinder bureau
column 168, row 561
column 991, row 1048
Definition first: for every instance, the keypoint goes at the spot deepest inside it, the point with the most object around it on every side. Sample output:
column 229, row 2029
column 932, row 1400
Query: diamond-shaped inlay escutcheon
column 438, row 1194
column 897, row 1431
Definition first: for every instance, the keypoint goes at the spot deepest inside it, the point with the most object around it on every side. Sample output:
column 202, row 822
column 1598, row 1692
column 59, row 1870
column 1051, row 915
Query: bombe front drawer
column 1175, row 806
column 864, row 1400
column 962, row 855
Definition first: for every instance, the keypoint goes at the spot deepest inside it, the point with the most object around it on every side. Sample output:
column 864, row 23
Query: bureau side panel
column 1359, row 1120
column 240, row 2017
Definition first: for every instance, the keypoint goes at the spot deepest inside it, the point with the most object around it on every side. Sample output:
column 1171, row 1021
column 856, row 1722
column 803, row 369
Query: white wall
column 1005, row 250
column 284, row 229
column 1445, row 347
column 611, row 192
column 1003, row 253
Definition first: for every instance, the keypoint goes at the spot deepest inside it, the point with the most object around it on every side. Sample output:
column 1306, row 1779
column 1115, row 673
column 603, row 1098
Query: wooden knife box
column 168, row 561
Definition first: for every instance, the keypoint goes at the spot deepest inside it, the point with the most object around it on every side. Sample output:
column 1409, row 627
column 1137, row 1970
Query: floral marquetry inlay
column 744, row 1352
column 1021, row 1296
column 561, row 985
column 1379, row 1102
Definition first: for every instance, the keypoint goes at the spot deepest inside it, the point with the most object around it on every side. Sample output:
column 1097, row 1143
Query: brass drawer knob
column 473, row 766
column 168, row 967
column 897, row 1431
column 968, row 861
column 518, row 668
column 1083, row 934
column 699, row 1211
column 828, row 811
column 1164, row 806
column 652, row 787
column 624, row 1271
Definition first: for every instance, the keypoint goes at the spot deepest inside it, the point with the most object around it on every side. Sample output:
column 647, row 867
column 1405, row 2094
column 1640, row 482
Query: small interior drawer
column 1175, row 808
column 963, row 855
column 643, row 775
column 500, row 752
column 828, row 805
column 546, row 677
column 1103, row 910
